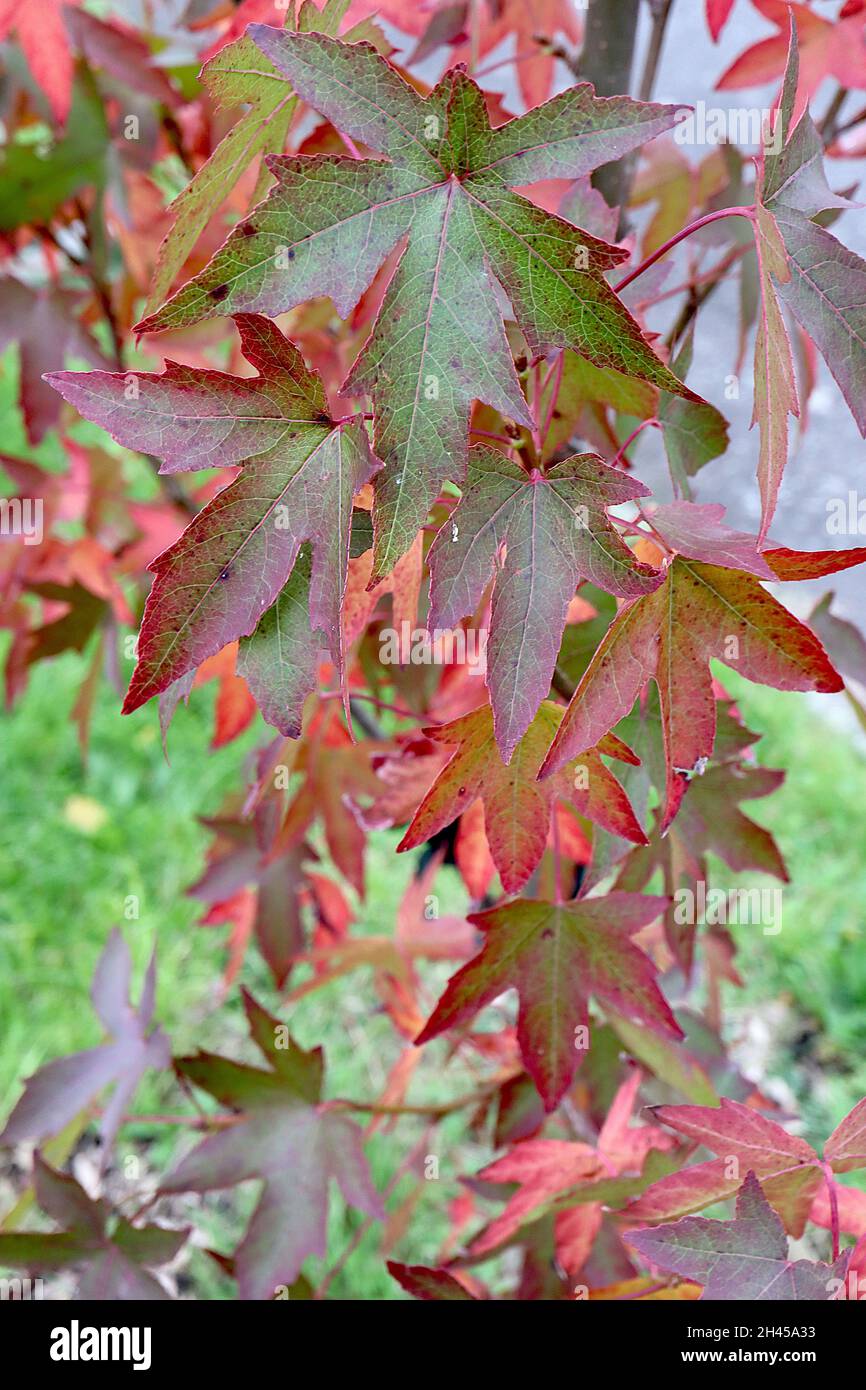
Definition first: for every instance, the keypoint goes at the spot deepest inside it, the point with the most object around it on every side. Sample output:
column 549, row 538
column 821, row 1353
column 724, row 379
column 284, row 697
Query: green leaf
column 670, row 1062
column 443, row 200
column 35, row 182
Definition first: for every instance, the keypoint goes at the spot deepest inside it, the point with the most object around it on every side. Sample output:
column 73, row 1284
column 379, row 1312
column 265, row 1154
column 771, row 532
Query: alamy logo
column 441, row 647
column 22, row 516
column 736, row 125
column 20, row 1290
column 76, row 1343
column 704, row 906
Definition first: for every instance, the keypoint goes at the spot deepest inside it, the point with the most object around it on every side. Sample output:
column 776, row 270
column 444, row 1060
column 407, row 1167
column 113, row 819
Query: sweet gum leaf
column 556, row 955
column 554, row 531
column 744, row 1259
column 283, row 1137
column 444, row 198
column 301, row 473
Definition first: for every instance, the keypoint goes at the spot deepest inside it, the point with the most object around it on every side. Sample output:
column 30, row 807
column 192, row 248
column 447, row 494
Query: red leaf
column 430, row 1284
column 718, row 13
column 744, row 1259
column 302, row 472
column 744, row 1139
column 517, row 808
column 556, row 956
column 701, row 612
column 45, row 44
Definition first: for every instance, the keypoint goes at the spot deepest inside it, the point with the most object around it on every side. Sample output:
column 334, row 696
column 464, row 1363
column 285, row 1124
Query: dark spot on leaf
column 247, row 229
column 219, row 293
column 547, row 933
column 226, row 574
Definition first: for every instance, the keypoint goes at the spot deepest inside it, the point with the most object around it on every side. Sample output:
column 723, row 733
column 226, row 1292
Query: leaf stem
column 557, row 855
column 489, row 434
column 444, row 1108
column 644, row 424
column 748, row 212
column 554, row 376
column 834, row 1207
column 372, row 700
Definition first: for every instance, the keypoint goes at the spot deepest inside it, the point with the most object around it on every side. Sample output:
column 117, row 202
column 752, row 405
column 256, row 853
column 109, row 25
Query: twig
column 554, row 378
column 644, row 424
column 660, row 10
column 827, row 126
column 747, row 212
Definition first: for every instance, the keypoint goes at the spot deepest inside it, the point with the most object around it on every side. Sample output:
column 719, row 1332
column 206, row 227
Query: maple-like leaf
column 702, row 611
column 553, row 530
column 790, row 1170
column 55, row 1094
column 556, row 955
column 444, row 198
column 517, row 808
column 745, row 1259
column 286, row 1138
column 115, row 1256
column 300, row 476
